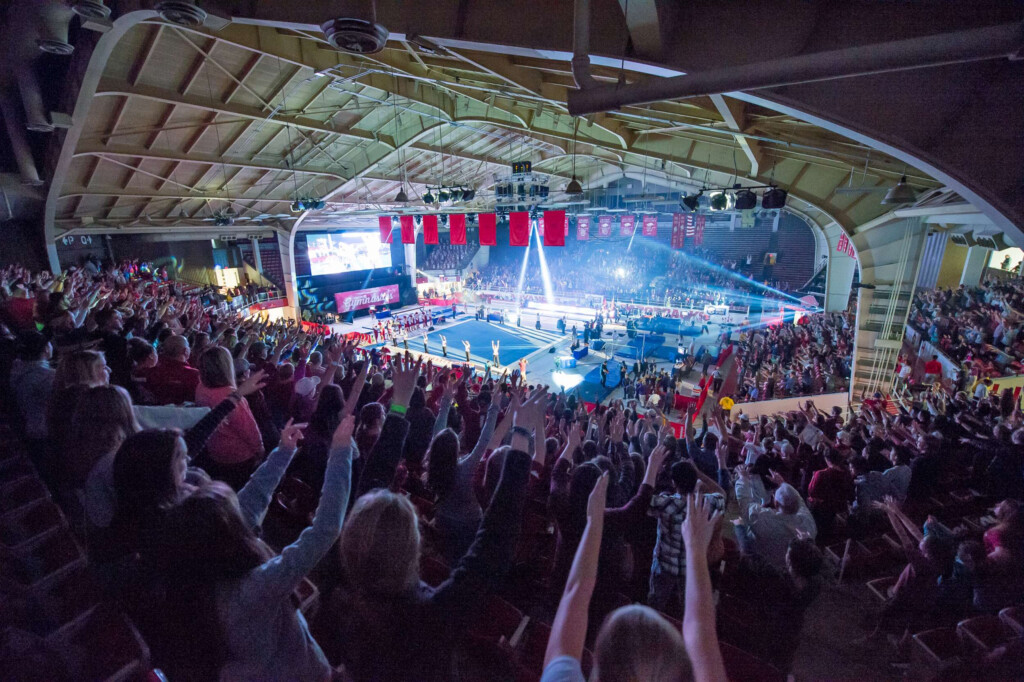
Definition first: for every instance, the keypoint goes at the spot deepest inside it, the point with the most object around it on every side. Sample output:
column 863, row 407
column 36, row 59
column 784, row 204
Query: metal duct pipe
column 54, row 19
column 581, row 46
column 991, row 42
column 36, row 117
column 19, row 145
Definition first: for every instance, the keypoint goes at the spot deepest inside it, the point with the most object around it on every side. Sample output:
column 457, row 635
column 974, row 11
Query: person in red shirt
column 172, row 381
column 831, row 491
column 932, row 370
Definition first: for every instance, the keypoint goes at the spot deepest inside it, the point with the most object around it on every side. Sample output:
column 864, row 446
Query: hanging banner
column 488, row 229
column 457, row 228
column 627, row 225
column 430, row 229
column 347, row 301
column 408, row 229
column 519, row 228
column 678, row 230
column 384, row 223
column 582, row 228
column 604, row 226
column 650, row 223
column 695, row 228
column 554, row 228
column 846, row 246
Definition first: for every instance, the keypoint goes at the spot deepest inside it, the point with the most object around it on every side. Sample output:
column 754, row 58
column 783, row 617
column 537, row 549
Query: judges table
column 581, row 352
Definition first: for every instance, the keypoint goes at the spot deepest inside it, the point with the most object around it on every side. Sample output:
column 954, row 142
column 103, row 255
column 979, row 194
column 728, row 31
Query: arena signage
column 347, row 301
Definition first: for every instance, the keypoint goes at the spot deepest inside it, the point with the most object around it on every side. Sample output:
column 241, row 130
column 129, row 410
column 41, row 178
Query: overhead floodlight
column 456, row 194
column 691, row 201
column 468, row 194
column 428, row 198
column 544, row 191
column 574, row 186
column 745, row 199
column 719, row 201
column 522, row 191
column 901, row 193
column 298, row 206
column 443, row 196
column 774, row 198
column 401, row 197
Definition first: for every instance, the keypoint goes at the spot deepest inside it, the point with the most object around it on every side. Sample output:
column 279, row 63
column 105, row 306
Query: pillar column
column 257, row 257
column 410, row 263
column 974, row 266
column 838, row 280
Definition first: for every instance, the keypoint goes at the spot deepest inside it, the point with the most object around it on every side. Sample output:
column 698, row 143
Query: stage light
column 443, row 196
column 428, row 198
column 774, row 198
column 745, row 199
column 468, row 194
column 901, row 193
column 719, row 201
column 690, row 202
column 574, row 186
column 320, row 204
column 456, row 194
column 522, row 191
column 298, row 206
column 401, row 197
column 620, row 272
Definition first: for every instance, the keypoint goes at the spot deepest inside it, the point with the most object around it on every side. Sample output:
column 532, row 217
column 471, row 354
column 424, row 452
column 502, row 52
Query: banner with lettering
column 627, row 225
column 347, row 301
column 695, row 228
column 846, row 246
column 678, row 230
column 604, row 226
column 408, row 229
column 650, row 223
column 582, row 228
column 554, row 228
column 430, row 228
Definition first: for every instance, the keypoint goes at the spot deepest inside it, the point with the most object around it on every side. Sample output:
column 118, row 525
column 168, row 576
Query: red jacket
column 172, row 382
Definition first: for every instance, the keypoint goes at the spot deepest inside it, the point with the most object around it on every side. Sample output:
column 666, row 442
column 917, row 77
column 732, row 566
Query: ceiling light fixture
column 401, row 197
column 901, row 193
column 690, row 202
column 719, row 201
column 774, row 198
column 428, row 198
column 745, row 200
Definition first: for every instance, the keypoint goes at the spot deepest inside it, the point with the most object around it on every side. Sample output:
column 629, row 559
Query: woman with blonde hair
column 236, row 447
column 635, row 642
column 76, row 373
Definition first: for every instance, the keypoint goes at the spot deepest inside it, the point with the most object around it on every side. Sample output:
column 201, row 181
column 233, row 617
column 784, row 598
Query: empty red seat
column 934, row 650
column 31, row 522
column 21, row 492
column 743, row 667
column 984, row 633
column 103, row 646
column 1013, row 616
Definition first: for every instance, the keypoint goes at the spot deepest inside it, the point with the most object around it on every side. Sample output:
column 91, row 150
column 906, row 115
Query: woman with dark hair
column 458, row 513
column 229, row 607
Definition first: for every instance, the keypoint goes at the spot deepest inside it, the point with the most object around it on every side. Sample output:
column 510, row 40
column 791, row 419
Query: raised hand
column 342, row 437
column 255, row 382
column 699, row 526
column 405, row 382
column 290, row 434
column 598, row 497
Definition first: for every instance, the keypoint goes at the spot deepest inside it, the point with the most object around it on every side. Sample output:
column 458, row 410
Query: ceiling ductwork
column 36, row 118
column 355, row 36
column 54, row 19
column 181, row 13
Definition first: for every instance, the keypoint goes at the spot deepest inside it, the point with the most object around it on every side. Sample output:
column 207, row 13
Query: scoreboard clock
column 522, row 167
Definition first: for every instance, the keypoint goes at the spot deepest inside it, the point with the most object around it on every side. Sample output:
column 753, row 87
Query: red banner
column 519, row 228
column 457, row 227
column 554, row 228
column 650, row 223
column 846, row 246
column 384, row 222
column 488, row 229
column 627, row 225
column 582, row 228
column 430, row 229
column 347, row 301
column 604, row 226
column 695, row 228
column 678, row 231
column 408, row 230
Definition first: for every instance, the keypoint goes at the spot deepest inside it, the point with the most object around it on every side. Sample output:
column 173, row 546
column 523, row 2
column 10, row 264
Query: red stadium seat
column 984, row 633
column 21, row 492
column 1014, row 619
column 101, row 646
column 933, row 651
column 46, row 562
column 743, row 667
column 30, row 523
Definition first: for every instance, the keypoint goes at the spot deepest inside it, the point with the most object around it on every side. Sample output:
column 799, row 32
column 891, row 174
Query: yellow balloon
column 726, row 403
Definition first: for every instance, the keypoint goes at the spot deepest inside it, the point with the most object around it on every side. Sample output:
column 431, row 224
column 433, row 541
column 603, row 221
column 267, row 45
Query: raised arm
column 569, row 629
column 254, row 498
column 196, row 437
column 383, row 460
column 699, row 615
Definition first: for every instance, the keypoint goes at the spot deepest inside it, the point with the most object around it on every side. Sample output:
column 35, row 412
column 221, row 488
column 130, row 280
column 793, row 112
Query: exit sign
column 521, row 167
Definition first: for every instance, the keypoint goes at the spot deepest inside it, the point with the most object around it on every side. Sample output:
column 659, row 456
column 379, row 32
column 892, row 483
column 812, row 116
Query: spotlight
column 468, row 194
column 401, row 197
column 574, row 186
column 471, row 218
column 444, row 219
column 745, row 199
column 774, row 198
column 691, row 201
column 298, row 206
column 901, row 193
column 428, row 198
column 319, row 204
column 456, row 194
column 719, row 201
column 443, row 196
column 522, row 191
column 544, row 191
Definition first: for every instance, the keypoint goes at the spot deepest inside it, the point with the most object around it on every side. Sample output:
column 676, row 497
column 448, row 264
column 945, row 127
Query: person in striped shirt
column 668, row 567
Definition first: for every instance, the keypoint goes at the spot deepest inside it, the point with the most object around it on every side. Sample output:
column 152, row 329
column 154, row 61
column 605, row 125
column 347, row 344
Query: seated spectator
column 172, row 381
column 765, row 531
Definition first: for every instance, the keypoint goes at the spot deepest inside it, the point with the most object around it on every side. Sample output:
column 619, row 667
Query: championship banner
column 347, row 301
column 650, row 224
column 384, row 223
column 678, row 231
column 604, row 226
column 488, row 223
column 627, row 225
column 430, row 228
column 695, row 228
column 554, row 228
column 457, row 228
column 519, row 228
column 408, row 230
column 582, row 228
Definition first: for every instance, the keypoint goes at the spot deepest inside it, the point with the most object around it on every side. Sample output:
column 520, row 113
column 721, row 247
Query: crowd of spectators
column 452, row 499
column 641, row 273
column 980, row 327
column 448, row 257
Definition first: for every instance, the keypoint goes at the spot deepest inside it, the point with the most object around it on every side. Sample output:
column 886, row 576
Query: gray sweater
column 267, row 637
